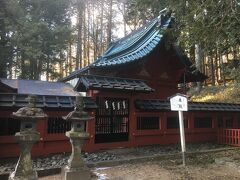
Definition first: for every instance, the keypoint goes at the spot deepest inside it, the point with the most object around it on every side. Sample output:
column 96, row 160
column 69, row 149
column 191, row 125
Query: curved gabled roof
column 132, row 47
column 137, row 44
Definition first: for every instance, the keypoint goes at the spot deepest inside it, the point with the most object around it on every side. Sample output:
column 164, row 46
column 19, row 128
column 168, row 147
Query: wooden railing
column 57, row 125
column 229, row 137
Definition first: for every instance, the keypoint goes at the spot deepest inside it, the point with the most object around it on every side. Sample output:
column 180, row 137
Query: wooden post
column 182, row 135
column 179, row 103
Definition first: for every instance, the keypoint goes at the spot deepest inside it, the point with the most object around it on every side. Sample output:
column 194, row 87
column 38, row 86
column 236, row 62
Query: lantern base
column 82, row 173
column 32, row 176
column 24, row 169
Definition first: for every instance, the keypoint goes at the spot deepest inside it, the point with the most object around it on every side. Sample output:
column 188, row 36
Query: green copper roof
column 136, row 45
column 132, row 47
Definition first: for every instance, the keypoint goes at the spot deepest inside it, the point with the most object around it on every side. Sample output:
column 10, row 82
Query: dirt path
column 199, row 167
column 156, row 171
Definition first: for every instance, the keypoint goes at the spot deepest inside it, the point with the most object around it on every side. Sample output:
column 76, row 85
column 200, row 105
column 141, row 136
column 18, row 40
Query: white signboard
column 179, row 103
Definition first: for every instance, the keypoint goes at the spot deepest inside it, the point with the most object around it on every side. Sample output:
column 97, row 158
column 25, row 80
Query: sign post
column 179, row 103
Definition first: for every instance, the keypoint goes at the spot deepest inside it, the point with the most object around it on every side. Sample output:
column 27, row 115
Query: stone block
column 76, row 174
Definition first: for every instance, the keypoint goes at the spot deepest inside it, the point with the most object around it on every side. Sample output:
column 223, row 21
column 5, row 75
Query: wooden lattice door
column 112, row 120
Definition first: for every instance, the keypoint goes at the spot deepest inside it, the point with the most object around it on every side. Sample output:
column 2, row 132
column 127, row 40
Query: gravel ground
column 171, row 170
column 59, row 160
column 209, row 166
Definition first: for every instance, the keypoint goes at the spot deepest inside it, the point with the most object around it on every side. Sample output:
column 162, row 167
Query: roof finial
column 163, row 15
column 163, row 11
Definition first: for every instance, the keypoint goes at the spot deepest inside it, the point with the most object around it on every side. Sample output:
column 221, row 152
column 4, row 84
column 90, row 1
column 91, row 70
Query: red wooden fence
column 229, row 137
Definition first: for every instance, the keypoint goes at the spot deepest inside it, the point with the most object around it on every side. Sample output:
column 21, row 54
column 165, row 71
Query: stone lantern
column 27, row 136
column 76, row 168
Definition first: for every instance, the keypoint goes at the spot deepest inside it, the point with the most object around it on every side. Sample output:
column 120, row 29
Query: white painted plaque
column 179, row 102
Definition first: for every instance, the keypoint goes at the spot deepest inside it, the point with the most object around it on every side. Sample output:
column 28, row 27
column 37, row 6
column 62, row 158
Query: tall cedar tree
column 39, row 34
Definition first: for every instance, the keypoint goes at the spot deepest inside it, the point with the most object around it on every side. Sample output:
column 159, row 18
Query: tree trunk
column 101, row 28
column 84, row 39
column 23, row 67
column 109, row 30
column 94, row 27
column 88, row 32
column 124, row 19
column 48, row 69
column 95, row 39
column 70, row 58
column 216, row 67
column 80, row 9
column 3, row 45
column 222, row 70
column 61, row 64
column 212, row 70
column 198, row 60
column 39, row 68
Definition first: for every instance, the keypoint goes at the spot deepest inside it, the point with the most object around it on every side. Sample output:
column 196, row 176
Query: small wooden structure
column 55, row 98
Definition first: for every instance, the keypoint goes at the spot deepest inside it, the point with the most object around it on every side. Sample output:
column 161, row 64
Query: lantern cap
column 30, row 111
column 78, row 114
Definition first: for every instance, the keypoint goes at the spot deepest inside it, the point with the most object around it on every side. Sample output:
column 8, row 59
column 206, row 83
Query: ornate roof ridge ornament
column 164, row 15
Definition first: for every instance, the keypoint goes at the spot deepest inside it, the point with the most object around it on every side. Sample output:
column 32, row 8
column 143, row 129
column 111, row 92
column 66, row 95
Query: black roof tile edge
column 120, row 83
column 192, row 106
column 42, row 101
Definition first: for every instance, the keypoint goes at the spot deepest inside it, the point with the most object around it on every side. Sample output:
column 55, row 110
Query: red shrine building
column 127, row 91
column 131, row 83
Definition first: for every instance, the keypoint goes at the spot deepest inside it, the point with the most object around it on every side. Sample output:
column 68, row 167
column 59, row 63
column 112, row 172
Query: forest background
column 48, row 39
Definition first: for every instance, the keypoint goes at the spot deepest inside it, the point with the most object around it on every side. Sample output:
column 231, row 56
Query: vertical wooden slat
column 110, row 122
column 238, row 137
column 229, row 137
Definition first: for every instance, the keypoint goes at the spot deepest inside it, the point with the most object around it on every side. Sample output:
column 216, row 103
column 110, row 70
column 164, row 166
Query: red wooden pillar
column 215, row 121
column 160, row 115
column 164, row 123
column 235, row 121
column 215, row 124
column 191, row 121
column 89, row 145
column 132, row 122
column 42, row 129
